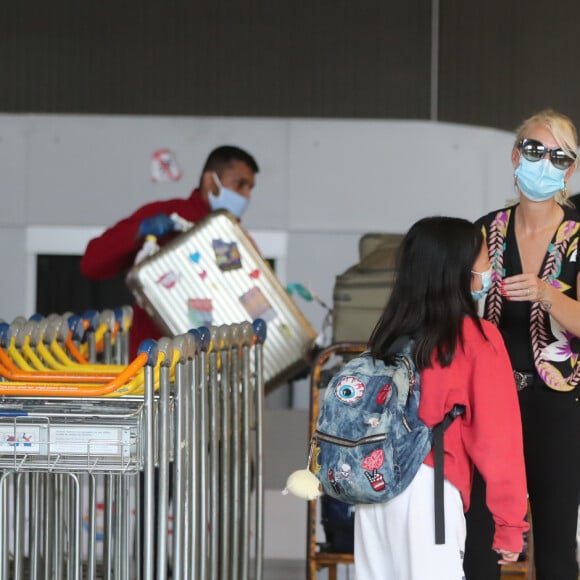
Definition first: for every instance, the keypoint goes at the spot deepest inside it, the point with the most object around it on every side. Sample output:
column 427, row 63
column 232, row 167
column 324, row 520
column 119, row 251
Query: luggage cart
column 60, row 455
column 217, row 418
column 55, row 453
column 225, row 461
column 60, row 450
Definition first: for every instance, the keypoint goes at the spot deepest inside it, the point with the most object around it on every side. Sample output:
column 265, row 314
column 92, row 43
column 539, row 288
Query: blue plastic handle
column 204, row 338
column 4, row 331
column 13, row 414
column 75, row 324
column 149, row 347
column 36, row 317
column 92, row 317
column 260, row 330
column 118, row 315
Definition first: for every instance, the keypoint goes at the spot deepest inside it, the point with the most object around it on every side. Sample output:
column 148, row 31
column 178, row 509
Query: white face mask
column 227, row 199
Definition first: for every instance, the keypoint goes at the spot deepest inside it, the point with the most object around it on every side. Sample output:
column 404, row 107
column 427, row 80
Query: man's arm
column 113, row 251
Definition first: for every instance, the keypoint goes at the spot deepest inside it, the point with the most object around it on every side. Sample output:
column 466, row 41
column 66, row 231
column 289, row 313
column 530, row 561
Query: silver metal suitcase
column 213, row 274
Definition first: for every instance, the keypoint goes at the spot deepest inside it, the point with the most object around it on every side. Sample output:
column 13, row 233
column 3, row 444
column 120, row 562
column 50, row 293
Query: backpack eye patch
column 349, row 390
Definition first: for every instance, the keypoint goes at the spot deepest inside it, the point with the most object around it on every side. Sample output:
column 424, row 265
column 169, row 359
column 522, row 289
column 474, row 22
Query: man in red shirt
column 226, row 182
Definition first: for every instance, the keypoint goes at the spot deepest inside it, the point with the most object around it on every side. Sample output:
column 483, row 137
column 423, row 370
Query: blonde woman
column 533, row 250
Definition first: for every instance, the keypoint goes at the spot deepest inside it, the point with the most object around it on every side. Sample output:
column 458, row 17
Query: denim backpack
column 369, row 441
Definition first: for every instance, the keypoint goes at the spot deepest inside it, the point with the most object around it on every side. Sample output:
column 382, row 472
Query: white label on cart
column 19, row 440
column 90, row 441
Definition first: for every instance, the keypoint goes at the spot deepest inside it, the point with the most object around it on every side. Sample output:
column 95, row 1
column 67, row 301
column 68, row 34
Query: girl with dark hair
column 443, row 268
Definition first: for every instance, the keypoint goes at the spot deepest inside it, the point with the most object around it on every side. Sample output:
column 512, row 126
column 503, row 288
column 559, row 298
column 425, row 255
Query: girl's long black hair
column 432, row 292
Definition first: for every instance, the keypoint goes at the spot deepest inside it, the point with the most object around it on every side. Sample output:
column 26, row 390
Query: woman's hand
column 525, row 287
column 507, row 557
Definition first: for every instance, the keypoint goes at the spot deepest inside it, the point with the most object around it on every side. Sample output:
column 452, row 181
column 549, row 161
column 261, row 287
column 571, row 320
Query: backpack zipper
column 348, row 442
column 412, row 380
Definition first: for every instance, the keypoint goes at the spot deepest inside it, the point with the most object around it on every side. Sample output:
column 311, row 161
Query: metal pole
column 34, row 525
column 19, row 516
column 180, row 443
column 4, row 526
column 224, row 341
column 76, row 527
column 191, row 564
column 108, row 540
column 92, row 528
column 260, row 337
column 163, row 489
column 246, row 488
column 149, row 515
column 202, row 481
column 214, row 449
column 200, row 491
column 236, row 449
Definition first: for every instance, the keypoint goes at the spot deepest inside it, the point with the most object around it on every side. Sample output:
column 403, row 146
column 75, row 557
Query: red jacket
column 489, row 435
column 114, row 251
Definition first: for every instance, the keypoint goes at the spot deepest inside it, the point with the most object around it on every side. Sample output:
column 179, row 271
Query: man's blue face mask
column 227, row 199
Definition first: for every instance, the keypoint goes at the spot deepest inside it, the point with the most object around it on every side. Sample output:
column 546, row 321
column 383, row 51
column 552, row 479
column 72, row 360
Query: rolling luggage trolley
column 206, row 415
column 62, row 450
column 216, row 418
column 213, row 275
column 58, row 446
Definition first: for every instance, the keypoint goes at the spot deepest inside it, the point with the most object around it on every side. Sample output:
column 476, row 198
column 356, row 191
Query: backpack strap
column 439, row 476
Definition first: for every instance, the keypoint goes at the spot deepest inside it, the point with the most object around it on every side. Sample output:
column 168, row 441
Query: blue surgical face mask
column 539, row 180
column 227, row 199
column 485, row 284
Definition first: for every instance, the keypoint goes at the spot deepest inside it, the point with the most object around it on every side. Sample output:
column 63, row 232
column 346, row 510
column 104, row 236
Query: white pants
column 396, row 540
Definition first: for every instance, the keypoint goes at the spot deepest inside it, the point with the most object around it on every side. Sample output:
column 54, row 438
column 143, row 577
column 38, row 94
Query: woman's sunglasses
column 533, row 150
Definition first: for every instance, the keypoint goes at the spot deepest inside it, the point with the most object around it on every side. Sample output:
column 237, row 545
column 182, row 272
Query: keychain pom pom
column 303, row 484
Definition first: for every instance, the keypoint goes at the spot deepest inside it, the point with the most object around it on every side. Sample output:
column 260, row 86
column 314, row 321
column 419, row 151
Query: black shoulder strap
column 439, row 468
